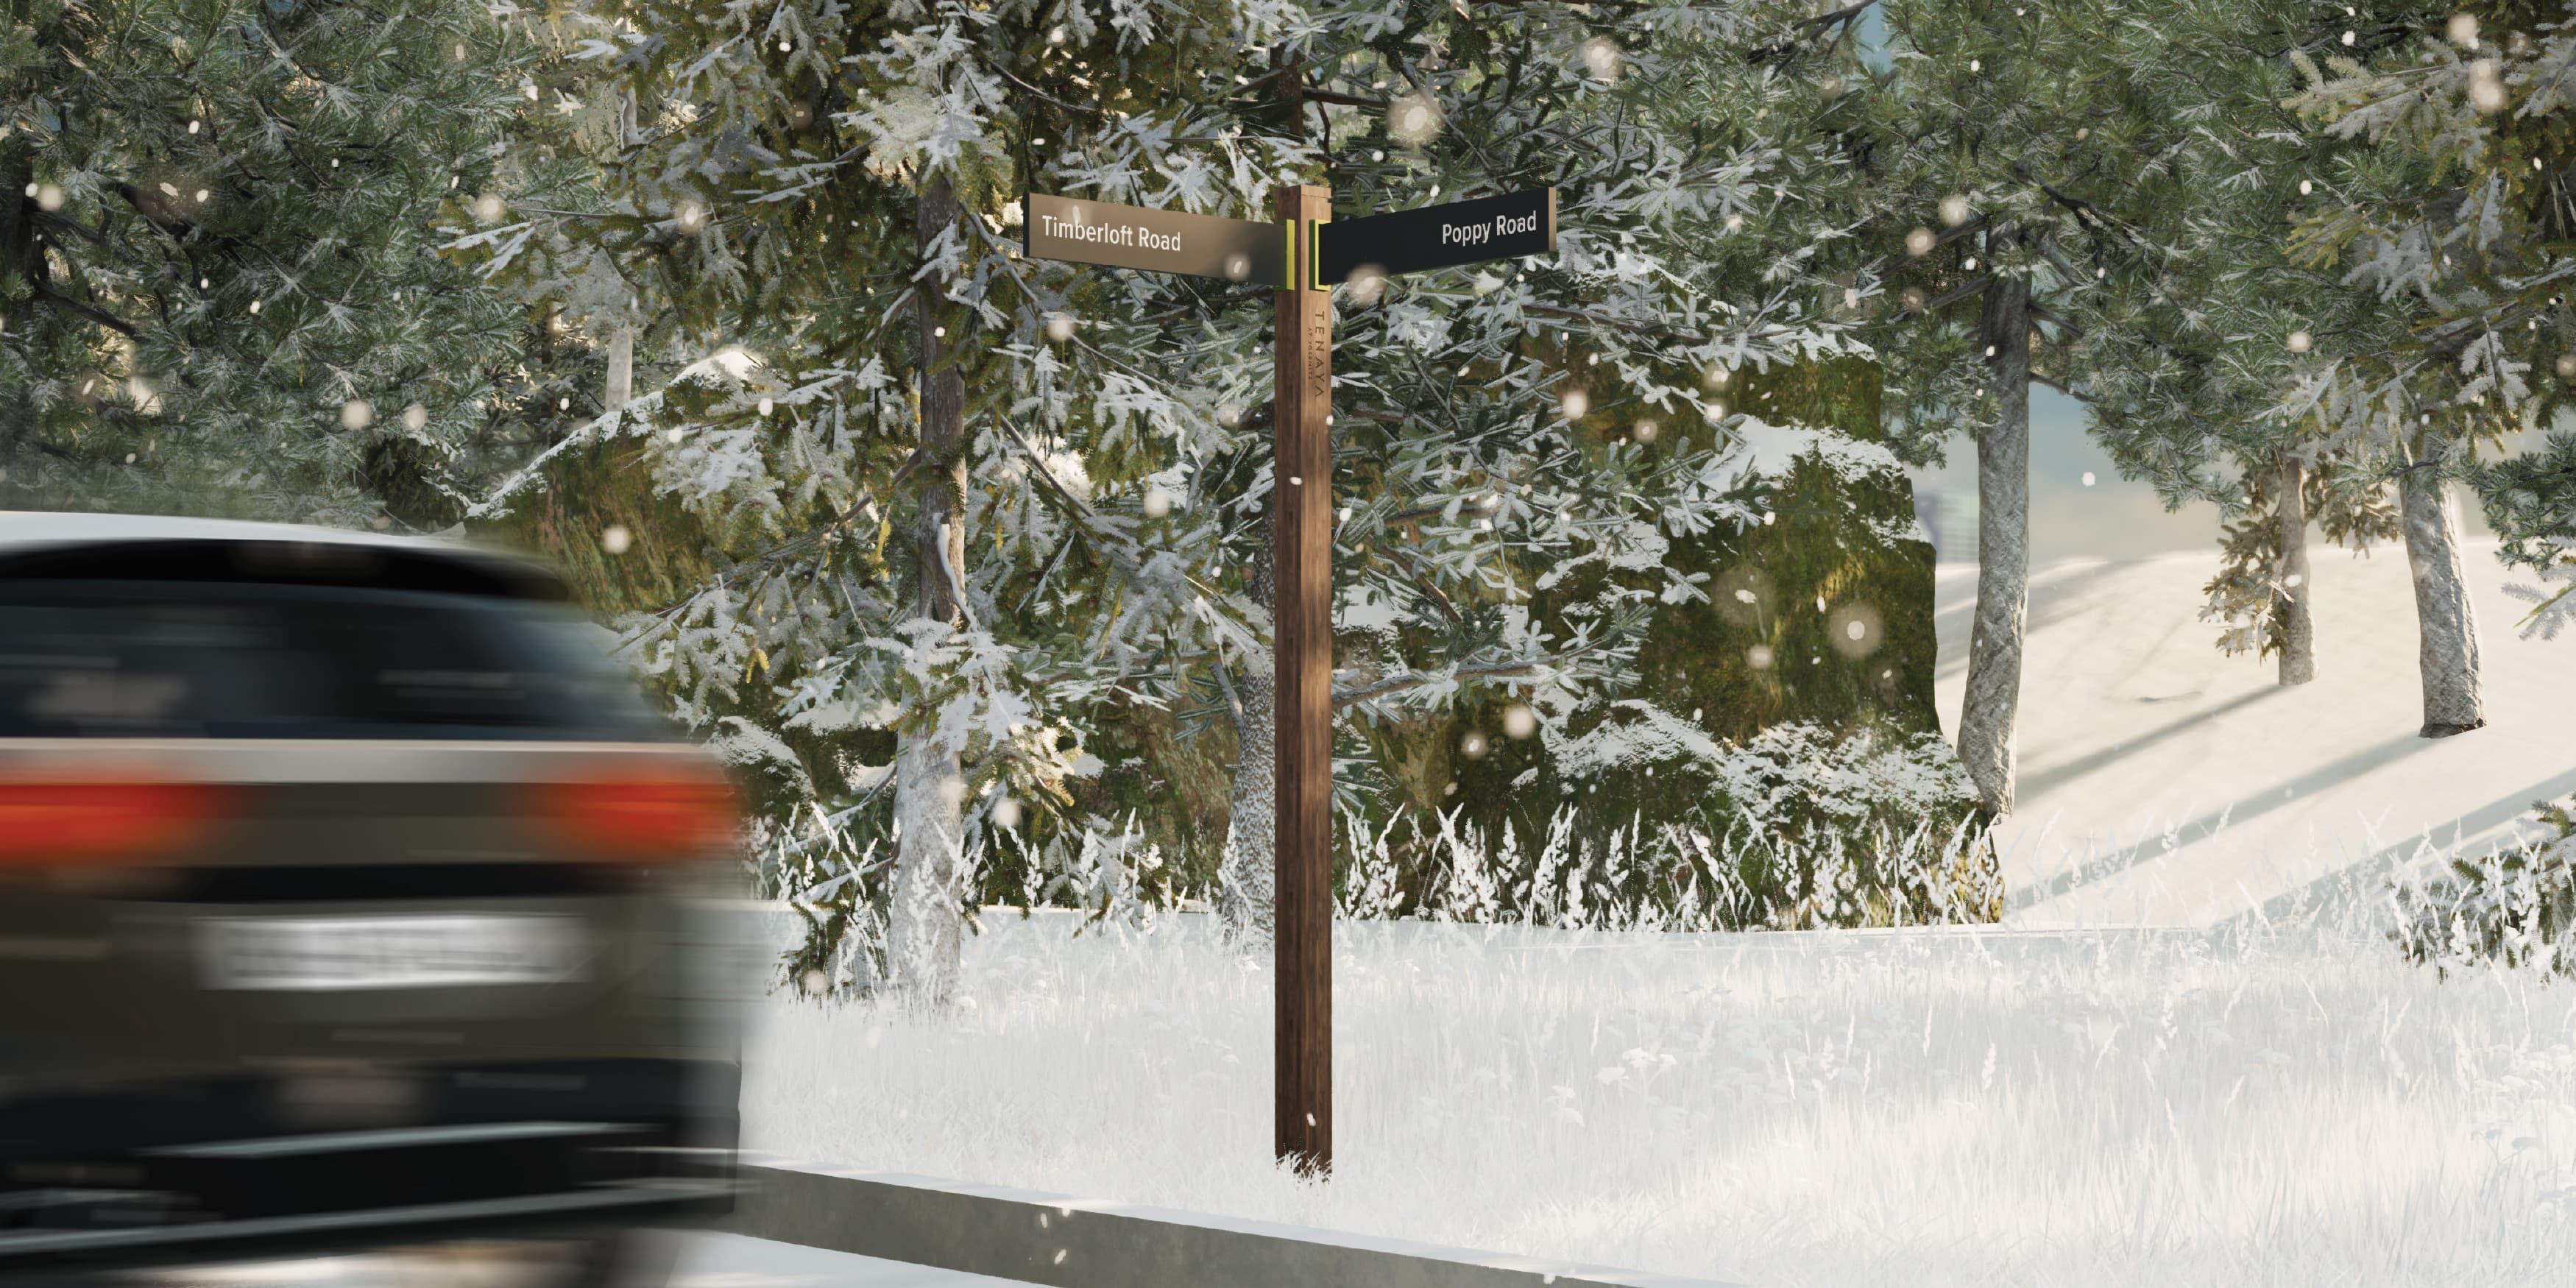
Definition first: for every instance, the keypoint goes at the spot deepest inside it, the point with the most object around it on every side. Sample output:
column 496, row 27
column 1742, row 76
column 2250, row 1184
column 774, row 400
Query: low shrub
column 1797, row 830
column 2512, row 906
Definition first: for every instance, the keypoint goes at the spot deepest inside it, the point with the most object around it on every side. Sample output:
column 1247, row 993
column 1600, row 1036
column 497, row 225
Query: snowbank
column 2162, row 783
column 1972, row 1106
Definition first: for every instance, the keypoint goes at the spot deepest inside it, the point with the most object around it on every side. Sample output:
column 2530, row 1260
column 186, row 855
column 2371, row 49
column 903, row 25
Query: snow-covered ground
column 2192, row 1058
column 2288, row 1104
column 2192, row 787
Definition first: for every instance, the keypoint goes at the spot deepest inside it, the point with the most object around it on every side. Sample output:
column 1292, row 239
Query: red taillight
column 90, row 821
column 663, row 814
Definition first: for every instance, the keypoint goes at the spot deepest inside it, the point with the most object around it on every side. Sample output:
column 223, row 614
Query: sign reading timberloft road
column 1428, row 237
column 1162, row 241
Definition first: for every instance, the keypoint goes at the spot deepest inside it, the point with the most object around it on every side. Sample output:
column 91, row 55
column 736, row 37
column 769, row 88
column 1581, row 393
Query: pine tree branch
column 1404, row 69
column 278, row 48
column 1949, row 297
column 1578, row 315
column 1939, row 240
column 1042, row 94
column 1120, row 550
column 1344, row 100
column 2066, row 389
column 2086, row 213
column 94, row 236
column 1416, row 679
column 1413, row 573
column 1644, row 328
column 66, row 303
column 159, row 218
column 55, row 450
column 1840, row 22
column 2054, row 320
column 1272, row 75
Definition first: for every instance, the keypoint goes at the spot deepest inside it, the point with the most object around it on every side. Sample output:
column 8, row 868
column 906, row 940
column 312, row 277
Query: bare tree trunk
column 1248, row 875
column 23, row 256
column 621, row 367
column 1993, row 699
column 926, row 920
column 2298, row 628
column 2446, row 627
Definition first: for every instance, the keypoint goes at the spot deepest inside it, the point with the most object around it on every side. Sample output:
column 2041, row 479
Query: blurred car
column 348, row 898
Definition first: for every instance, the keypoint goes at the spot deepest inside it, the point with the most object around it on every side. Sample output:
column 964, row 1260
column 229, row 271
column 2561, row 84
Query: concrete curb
column 1067, row 1242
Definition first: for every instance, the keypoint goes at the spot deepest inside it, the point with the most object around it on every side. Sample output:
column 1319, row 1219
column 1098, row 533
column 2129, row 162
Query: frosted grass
column 2273, row 1105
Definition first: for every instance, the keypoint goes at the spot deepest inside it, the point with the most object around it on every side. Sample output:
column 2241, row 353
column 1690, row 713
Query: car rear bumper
column 176, row 1171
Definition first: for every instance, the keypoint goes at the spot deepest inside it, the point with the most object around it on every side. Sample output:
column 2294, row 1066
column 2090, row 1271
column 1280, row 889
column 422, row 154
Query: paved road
column 732, row 1261
column 706, row 1261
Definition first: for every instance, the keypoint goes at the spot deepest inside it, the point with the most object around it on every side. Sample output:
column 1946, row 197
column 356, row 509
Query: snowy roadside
column 2286, row 1105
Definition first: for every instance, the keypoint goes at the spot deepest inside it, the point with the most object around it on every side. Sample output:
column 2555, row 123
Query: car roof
column 51, row 527
column 79, row 543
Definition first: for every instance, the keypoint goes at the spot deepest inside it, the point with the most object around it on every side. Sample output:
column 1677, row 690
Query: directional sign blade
column 1461, row 232
column 1161, row 241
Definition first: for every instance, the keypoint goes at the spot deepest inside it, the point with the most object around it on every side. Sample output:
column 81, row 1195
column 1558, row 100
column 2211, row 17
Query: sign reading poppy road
column 1161, row 241
column 1302, row 257
column 1429, row 237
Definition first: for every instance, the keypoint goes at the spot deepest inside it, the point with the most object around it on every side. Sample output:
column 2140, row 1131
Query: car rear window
column 106, row 659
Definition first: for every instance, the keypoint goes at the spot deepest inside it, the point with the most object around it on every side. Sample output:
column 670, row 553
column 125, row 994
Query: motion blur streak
column 89, row 820
column 350, row 898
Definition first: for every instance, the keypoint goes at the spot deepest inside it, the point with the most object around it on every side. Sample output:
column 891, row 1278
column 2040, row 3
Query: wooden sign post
column 1301, row 527
column 1306, row 255
column 1301, row 545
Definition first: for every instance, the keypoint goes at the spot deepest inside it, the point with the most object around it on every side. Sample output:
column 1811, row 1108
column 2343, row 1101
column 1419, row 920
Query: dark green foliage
column 1822, row 546
column 219, row 290
column 1895, row 863
column 1700, row 665
column 589, row 489
column 1777, row 853
column 2530, row 500
column 1168, row 777
column 1781, row 850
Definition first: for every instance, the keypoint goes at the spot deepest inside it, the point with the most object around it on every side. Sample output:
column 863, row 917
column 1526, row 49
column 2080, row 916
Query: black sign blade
column 1444, row 236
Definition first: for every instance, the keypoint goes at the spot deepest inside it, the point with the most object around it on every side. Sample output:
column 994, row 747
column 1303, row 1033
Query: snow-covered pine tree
column 2479, row 261
column 1537, row 450
column 1117, row 459
column 2453, row 217
column 2262, row 597
column 1750, row 105
column 2186, row 347
column 2016, row 149
column 218, row 280
column 813, row 208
